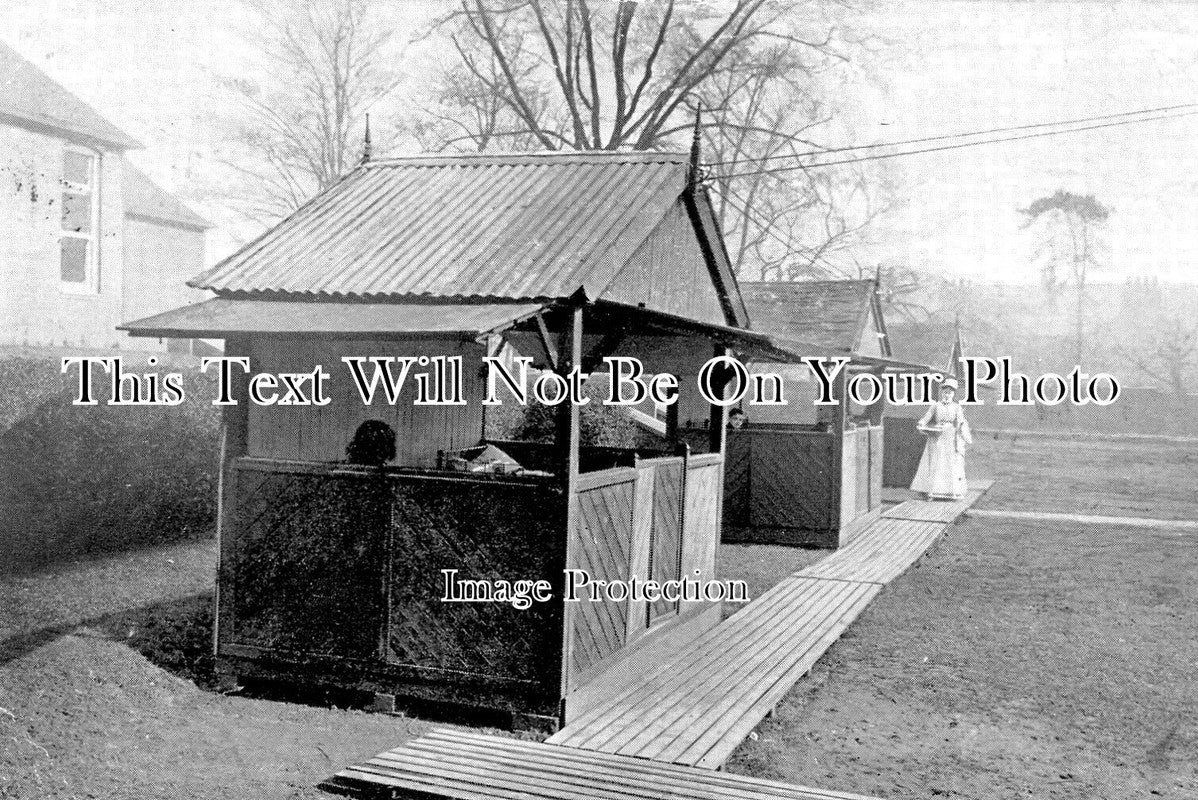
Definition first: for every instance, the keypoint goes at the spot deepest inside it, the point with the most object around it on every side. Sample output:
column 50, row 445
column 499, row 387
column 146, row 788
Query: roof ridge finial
column 694, row 165
column 366, row 142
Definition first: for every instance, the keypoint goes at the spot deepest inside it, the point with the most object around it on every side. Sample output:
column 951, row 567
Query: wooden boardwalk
column 662, row 736
column 470, row 766
column 698, row 707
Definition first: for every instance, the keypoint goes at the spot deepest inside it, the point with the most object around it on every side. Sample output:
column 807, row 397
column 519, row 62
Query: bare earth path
column 83, row 716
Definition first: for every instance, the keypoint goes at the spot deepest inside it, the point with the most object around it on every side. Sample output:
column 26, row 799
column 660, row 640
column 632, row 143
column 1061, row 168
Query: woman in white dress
column 941, row 473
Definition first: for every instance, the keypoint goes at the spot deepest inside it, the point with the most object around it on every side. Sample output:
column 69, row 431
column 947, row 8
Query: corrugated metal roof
column 828, row 315
column 223, row 316
column 510, row 226
column 29, row 95
column 144, row 198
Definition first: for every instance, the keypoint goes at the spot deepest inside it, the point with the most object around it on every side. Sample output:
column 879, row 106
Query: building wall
column 34, row 307
column 159, row 259
column 669, row 273
column 149, row 259
column 312, row 433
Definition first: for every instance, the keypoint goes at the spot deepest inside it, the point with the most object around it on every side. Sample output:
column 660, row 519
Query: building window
column 79, row 259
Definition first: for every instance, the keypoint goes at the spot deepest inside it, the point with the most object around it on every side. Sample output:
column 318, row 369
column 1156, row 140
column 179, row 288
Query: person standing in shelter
column 941, row 473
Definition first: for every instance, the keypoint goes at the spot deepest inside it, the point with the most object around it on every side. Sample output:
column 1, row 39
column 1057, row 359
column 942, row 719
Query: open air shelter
column 800, row 473
column 331, row 572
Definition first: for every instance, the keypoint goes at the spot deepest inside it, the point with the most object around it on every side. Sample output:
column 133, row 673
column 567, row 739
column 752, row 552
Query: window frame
column 91, row 267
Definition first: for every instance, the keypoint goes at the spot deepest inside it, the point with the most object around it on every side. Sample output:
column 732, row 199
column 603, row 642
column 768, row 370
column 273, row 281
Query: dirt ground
column 1018, row 660
column 1088, row 476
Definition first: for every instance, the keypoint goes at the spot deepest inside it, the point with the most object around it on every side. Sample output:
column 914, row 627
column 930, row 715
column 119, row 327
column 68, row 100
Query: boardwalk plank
column 445, row 764
column 663, row 737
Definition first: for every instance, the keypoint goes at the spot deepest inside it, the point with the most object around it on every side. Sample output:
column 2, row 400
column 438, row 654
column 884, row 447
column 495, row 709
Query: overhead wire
column 964, row 135
column 813, row 258
column 816, row 165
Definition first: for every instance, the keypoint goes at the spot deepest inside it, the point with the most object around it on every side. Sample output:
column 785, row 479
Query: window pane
column 77, row 167
column 74, row 260
column 76, row 212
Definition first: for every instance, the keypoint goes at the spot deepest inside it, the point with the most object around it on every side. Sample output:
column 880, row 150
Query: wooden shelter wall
column 658, row 520
column 669, row 273
column 795, row 486
column 321, row 433
column 328, row 569
column 487, row 530
column 602, row 545
column 903, row 449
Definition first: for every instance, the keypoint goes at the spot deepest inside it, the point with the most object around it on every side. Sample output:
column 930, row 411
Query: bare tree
column 1164, row 350
column 1072, row 225
column 303, row 130
column 573, row 74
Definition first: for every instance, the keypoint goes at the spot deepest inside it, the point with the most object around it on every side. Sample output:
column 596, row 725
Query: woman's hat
column 948, row 383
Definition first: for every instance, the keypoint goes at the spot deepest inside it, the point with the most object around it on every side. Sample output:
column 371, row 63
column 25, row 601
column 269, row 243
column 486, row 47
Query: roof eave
column 118, row 144
column 711, row 241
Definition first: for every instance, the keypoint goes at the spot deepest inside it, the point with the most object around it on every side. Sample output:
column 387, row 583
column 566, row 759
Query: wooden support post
column 717, row 433
column 233, row 445
column 842, row 393
column 567, row 444
column 878, row 409
column 672, row 421
column 840, row 486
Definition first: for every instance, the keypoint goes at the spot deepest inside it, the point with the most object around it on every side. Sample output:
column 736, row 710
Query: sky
column 942, row 66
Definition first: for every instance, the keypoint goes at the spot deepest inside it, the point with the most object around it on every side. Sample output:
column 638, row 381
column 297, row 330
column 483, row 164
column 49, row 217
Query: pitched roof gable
column 931, row 342
column 828, row 314
column 31, row 98
column 146, row 199
column 514, row 226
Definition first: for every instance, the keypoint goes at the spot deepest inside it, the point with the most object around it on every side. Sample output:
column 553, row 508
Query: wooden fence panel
column 306, row 565
column 864, row 473
column 666, row 551
column 903, row 446
column 602, row 546
column 701, row 517
column 328, row 564
column 487, row 530
column 737, row 478
column 792, row 481
column 877, row 460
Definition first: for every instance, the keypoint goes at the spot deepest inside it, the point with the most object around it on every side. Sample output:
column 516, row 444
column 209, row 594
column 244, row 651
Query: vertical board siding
column 631, row 523
column 848, row 477
column 864, row 438
column 702, row 520
column 665, row 553
column 877, row 460
column 642, row 538
column 321, row 433
column 602, row 546
column 669, row 273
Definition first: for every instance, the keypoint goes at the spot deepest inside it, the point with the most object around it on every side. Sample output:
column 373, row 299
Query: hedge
column 77, row 480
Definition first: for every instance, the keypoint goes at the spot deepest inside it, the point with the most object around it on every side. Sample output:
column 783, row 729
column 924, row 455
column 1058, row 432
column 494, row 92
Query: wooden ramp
column 664, row 735
column 470, row 766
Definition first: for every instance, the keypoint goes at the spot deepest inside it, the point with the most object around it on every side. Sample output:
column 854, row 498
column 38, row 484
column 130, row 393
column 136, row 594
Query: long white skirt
column 941, row 472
